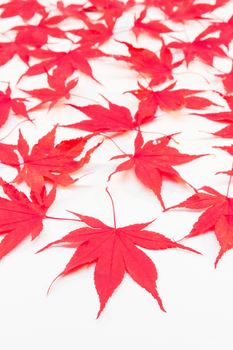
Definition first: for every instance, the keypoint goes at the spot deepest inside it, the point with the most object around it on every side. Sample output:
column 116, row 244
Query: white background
column 198, row 298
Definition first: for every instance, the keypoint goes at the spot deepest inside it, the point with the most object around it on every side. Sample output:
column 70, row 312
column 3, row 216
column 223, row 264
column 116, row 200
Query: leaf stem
column 15, row 127
column 113, row 207
column 229, row 182
column 84, row 98
column 63, row 219
column 194, row 73
column 109, row 138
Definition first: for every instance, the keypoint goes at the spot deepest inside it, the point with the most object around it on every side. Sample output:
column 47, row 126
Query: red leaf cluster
column 43, row 166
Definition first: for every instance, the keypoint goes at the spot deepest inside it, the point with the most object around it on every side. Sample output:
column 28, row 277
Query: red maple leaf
column 37, row 35
column 217, row 217
column 114, row 250
column 152, row 162
column 52, row 96
column 64, row 64
column 204, row 49
column 144, row 61
column 180, row 11
column 153, row 28
column 46, row 161
column 76, row 11
column 26, row 9
column 168, row 100
column 69, row 10
column 113, row 119
column 8, row 154
column 9, row 50
column 7, row 104
column 21, row 216
column 225, row 30
column 110, row 10
column 95, row 33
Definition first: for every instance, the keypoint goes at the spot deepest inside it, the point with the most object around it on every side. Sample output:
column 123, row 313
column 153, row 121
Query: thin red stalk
column 78, row 178
column 113, row 206
column 63, row 219
column 109, row 138
column 229, row 182
column 205, row 79
column 22, row 121
column 85, row 98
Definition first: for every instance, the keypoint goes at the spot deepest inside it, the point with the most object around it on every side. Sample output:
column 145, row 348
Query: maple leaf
column 26, row 9
column 144, row 61
column 95, row 33
column 9, row 50
column 49, row 162
column 52, row 96
column 21, row 216
column 113, row 119
column 152, row 162
column 76, row 11
column 37, row 35
column 64, row 64
column 167, row 99
column 115, row 252
column 72, row 10
column 7, row 104
column 8, row 154
column 217, row 217
column 153, row 28
column 204, row 49
column 110, row 10
column 180, row 11
column 225, row 30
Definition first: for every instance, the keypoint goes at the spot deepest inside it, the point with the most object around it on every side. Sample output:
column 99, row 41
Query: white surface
column 198, row 298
